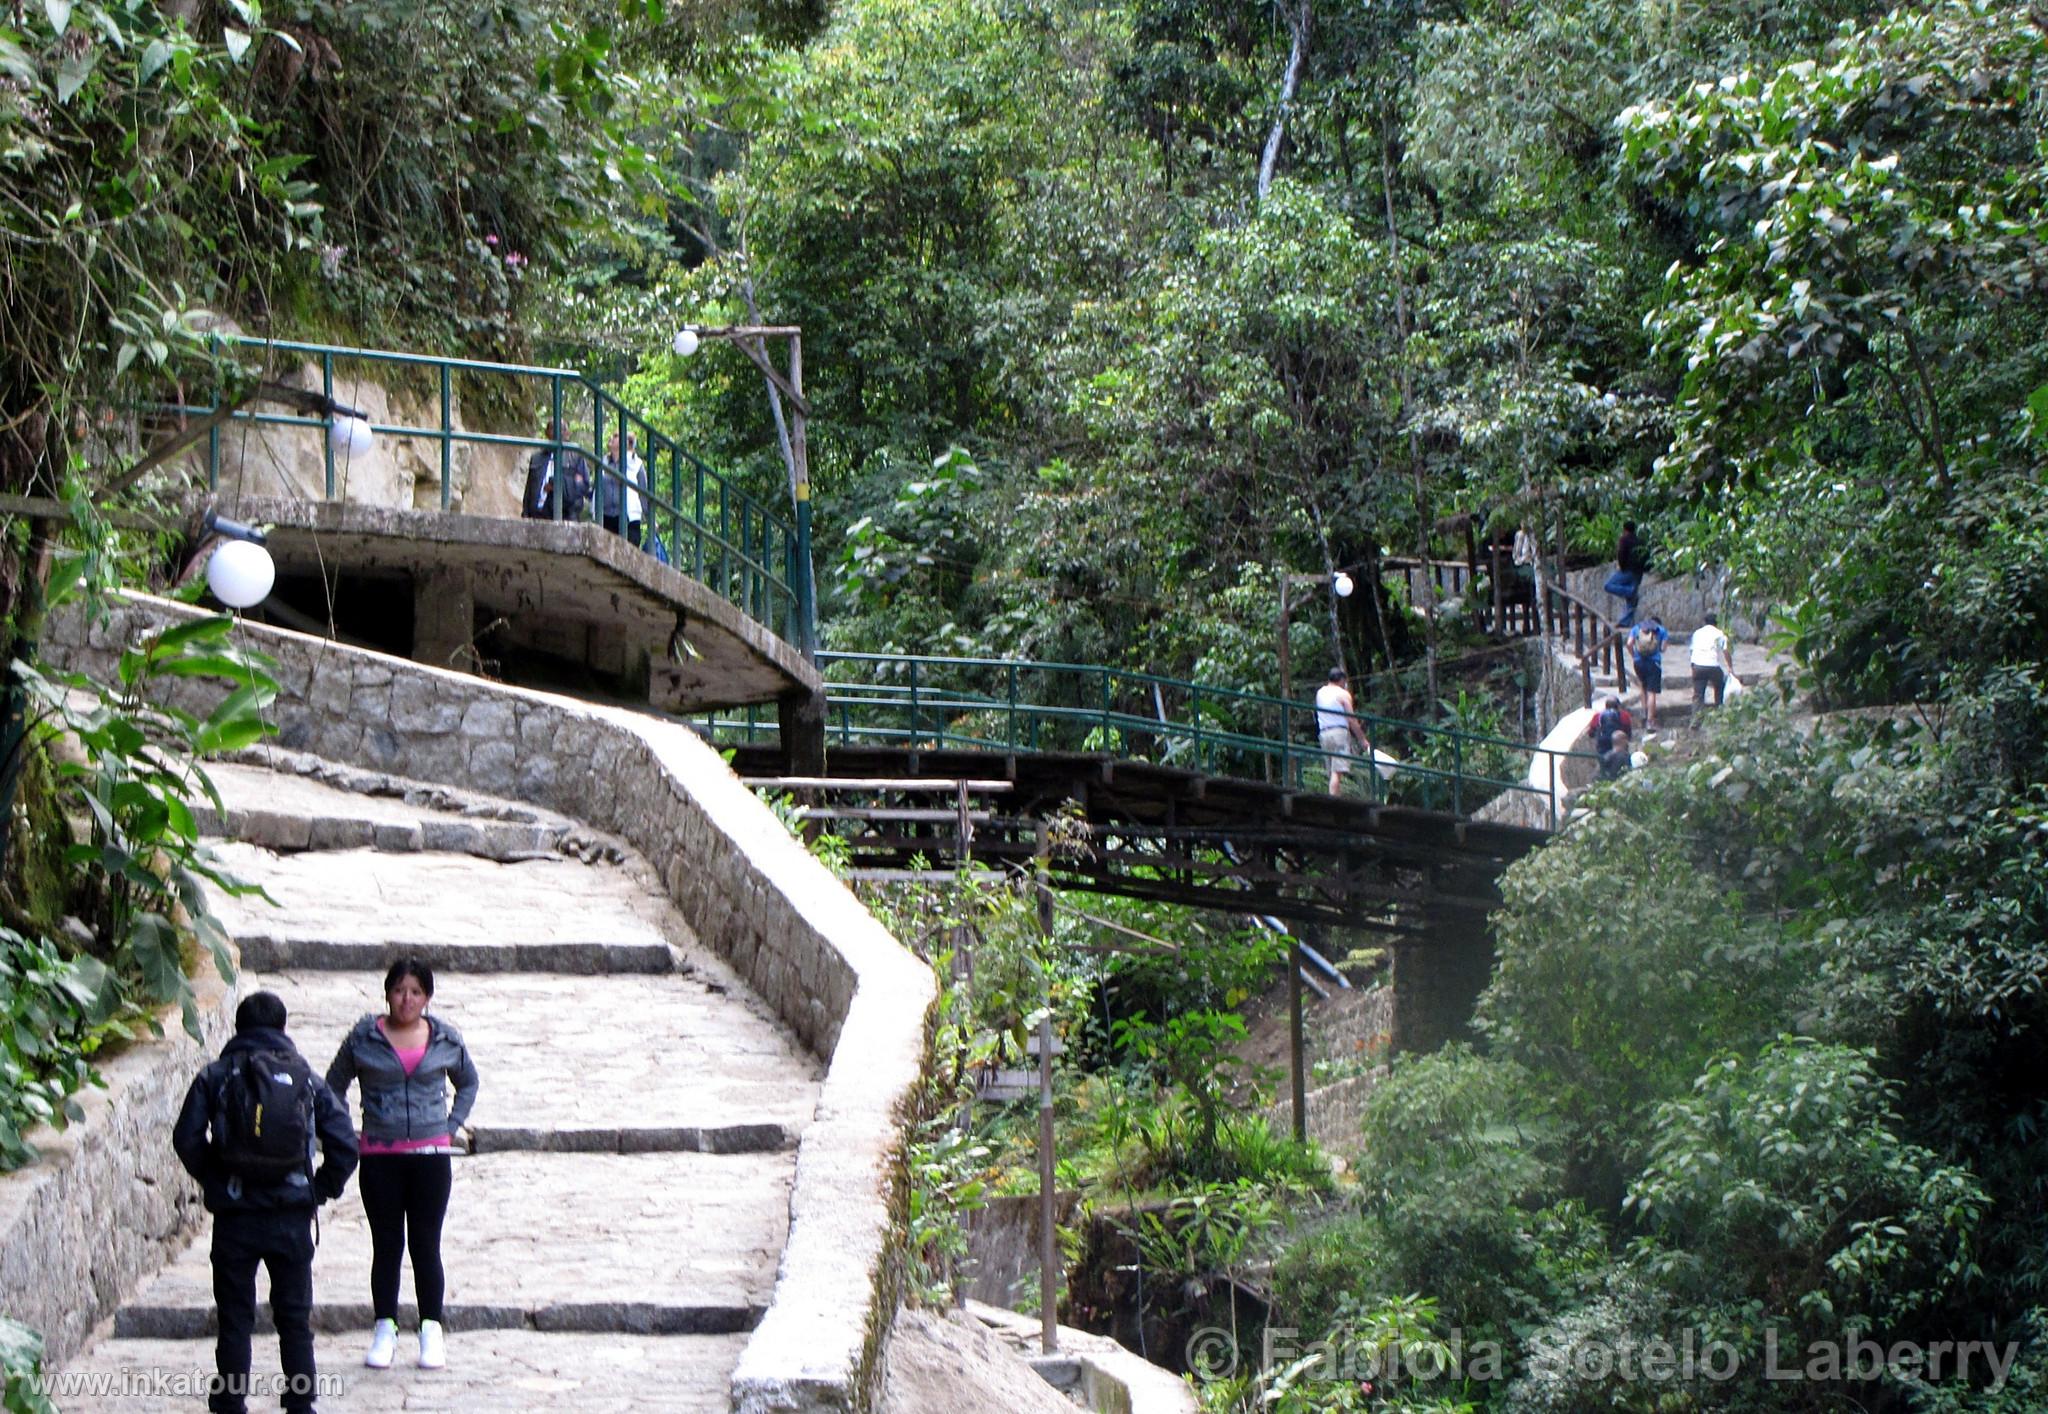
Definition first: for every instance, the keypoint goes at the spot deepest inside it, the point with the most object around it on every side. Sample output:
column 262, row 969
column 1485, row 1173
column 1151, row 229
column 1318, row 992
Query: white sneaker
column 383, row 1345
column 433, row 1346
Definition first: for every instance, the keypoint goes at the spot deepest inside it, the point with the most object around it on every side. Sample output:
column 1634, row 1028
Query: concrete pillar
column 801, row 716
column 1437, row 982
column 443, row 617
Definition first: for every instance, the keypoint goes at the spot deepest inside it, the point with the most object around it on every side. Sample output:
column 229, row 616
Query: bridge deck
column 1184, row 836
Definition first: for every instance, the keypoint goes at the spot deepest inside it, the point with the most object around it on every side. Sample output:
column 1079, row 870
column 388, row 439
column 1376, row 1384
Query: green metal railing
column 704, row 525
column 1015, row 705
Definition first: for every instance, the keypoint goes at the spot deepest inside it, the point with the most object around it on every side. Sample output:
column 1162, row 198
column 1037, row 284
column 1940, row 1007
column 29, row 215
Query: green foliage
column 1614, row 996
column 1786, row 1182
column 946, row 1182
column 138, row 780
column 56, row 1012
column 1387, row 1356
column 21, row 1370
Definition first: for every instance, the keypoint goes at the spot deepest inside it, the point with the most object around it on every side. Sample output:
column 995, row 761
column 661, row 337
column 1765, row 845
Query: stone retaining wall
column 107, row 1202
column 801, row 940
column 1680, row 602
column 290, row 462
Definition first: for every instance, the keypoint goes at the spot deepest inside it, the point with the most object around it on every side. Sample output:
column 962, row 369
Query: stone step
column 141, row 1321
column 580, row 959
column 627, row 1055
column 465, row 907
column 320, row 806
column 506, row 1371
column 610, row 1241
column 676, row 1139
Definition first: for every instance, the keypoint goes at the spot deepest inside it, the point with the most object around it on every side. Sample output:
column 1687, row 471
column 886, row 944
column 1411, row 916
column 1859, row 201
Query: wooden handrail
column 1592, row 636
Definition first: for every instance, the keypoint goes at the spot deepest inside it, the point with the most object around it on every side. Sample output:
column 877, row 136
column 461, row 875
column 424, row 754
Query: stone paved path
column 616, row 1231
column 1754, row 665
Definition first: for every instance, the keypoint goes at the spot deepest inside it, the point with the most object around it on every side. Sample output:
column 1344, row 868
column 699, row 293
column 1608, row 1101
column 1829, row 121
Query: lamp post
column 1341, row 585
column 752, row 340
column 240, row 571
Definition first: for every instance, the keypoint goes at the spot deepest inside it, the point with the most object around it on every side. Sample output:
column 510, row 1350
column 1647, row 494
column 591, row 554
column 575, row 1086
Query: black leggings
column 405, row 1195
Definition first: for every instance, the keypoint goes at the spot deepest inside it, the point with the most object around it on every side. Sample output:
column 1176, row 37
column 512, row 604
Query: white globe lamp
column 350, row 437
column 686, row 342
column 1342, row 584
column 240, row 573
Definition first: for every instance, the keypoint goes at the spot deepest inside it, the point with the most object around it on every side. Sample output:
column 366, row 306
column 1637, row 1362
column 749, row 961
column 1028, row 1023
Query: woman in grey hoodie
column 406, row 1060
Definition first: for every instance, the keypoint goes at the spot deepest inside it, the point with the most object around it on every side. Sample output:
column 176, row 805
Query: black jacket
column 539, row 500
column 200, row 1123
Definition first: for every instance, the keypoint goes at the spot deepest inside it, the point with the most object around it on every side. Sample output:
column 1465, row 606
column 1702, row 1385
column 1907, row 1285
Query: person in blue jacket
column 407, row 1062
column 260, row 1217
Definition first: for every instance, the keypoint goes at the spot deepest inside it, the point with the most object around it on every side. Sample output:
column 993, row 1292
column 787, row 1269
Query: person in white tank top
column 1337, row 727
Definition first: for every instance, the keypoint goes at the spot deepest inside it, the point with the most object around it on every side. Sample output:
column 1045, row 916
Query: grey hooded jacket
column 400, row 1106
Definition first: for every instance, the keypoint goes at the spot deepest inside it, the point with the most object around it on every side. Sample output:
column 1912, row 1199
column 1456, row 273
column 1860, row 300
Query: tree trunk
column 1298, row 20
column 1417, row 480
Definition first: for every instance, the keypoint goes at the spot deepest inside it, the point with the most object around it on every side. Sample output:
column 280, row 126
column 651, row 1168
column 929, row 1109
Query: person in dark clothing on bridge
column 237, row 1112
column 538, row 503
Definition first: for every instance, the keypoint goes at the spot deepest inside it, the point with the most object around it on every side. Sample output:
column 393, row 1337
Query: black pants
column 283, row 1243
column 406, row 1197
column 1705, row 676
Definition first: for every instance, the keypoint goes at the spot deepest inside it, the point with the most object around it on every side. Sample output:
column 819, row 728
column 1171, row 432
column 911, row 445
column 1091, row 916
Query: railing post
column 555, row 431
column 327, row 440
column 1457, row 773
column 1105, row 708
column 447, row 437
column 913, row 702
column 1195, row 714
column 595, row 510
column 724, row 539
column 696, row 522
column 1013, row 706
column 1286, row 745
column 213, row 457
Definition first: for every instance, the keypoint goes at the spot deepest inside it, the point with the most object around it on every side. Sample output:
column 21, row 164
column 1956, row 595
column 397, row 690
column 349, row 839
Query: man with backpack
column 1610, row 720
column 1646, row 645
column 252, row 1125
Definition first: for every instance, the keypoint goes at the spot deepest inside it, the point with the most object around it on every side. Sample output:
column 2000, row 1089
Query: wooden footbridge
column 1156, row 788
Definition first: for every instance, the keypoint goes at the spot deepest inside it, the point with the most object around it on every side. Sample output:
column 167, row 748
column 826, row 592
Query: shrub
column 21, row 1370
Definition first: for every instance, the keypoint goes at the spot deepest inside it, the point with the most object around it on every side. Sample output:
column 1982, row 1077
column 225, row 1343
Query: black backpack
column 267, row 1131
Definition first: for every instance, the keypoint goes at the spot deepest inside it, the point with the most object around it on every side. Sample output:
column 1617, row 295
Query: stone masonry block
column 489, row 721
column 399, row 838
column 416, row 707
column 435, row 758
column 381, row 747
column 330, row 691
column 492, row 765
column 536, row 779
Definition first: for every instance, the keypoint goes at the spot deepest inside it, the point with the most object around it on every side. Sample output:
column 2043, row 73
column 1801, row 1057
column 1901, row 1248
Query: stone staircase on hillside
column 616, row 1231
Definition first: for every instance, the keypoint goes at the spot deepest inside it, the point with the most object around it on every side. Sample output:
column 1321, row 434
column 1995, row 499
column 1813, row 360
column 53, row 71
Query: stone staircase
column 616, row 1231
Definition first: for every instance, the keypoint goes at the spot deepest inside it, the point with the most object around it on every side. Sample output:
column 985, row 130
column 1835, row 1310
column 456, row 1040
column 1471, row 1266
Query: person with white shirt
column 1337, row 726
column 624, row 507
column 1713, row 662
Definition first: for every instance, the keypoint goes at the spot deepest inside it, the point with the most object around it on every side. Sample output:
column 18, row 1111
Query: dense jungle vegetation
column 1110, row 311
